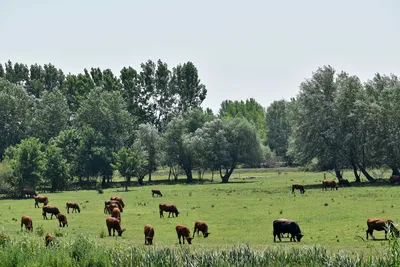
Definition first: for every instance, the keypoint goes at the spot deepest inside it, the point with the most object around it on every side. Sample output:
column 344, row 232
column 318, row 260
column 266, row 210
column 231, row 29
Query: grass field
column 237, row 213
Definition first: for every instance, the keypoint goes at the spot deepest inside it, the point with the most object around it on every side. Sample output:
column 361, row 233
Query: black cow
column 287, row 226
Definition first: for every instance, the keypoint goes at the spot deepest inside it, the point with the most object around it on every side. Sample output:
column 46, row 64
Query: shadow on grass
column 378, row 183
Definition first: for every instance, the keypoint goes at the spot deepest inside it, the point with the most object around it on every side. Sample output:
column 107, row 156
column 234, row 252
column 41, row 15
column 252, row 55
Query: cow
column 156, row 192
column 380, row 224
column 287, row 226
column 298, row 186
column 200, row 226
column 329, row 183
column 28, row 192
column 344, row 182
column 184, row 232
column 170, row 208
column 74, row 206
column 115, row 225
column 50, row 209
column 62, row 219
column 394, row 179
column 119, row 199
column 110, row 204
column 49, row 239
column 27, row 221
column 148, row 234
column 116, row 213
column 41, row 199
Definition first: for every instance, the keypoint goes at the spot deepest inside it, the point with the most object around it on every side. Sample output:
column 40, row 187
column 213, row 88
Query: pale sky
column 242, row 49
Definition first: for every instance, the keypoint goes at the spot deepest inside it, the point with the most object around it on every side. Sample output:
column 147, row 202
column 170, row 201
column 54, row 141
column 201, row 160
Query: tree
column 148, row 139
column 55, row 170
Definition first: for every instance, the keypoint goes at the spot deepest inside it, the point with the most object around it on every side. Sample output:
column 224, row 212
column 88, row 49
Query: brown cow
column 28, row 192
column 156, row 192
column 184, row 232
column 49, row 239
column 379, row 224
column 62, row 219
column 171, row 208
column 201, row 226
column 329, row 183
column 394, row 179
column 50, row 209
column 148, row 234
column 115, row 225
column 74, row 206
column 27, row 221
column 110, row 204
column 41, row 199
column 298, row 186
column 116, row 213
column 119, row 199
column 344, row 182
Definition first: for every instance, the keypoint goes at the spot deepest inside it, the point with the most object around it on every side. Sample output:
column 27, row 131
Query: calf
column 170, row 208
column 344, row 182
column 62, row 219
column 394, row 179
column 119, row 199
column 116, row 213
column 184, row 232
column 381, row 225
column 74, row 206
column 148, row 234
column 156, row 192
column 201, row 226
column 49, row 209
column 287, row 226
column 27, row 221
column 115, row 225
column 298, row 186
column 49, row 239
column 329, row 183
column 41, row 199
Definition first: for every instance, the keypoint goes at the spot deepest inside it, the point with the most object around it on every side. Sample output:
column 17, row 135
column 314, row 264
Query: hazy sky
column 242, row 49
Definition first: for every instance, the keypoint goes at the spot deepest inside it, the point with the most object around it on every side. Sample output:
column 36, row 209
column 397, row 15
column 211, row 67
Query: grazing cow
column 298, row 186
column 49, row 239
column 119, row 199
column 394, row 179
column 344, row 182
column 148, row 234
column 380, row 225
column 329, row 183
column 287, row 226
column 62, row 219
column 156, row 192
column 74, row 206
column 200, row 226
column 27, row 221
column 29, row 193
column 50, row 209
column 184, row 232
column 110, row 204
column 116, row 213
column 170, row 208
column 41, row 199
column 115, row 225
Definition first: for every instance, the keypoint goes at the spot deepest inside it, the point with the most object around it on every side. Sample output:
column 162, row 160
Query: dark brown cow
column 282, row 226
column 116, row 213
column 184, row 232
column 27, row 221
column 344, row 182
column 49, row 239
column 200, row 226
column 41, row 199
column 394, row 179
column 298, row 186
column 28, row 192
column 379, row 224
column 156, row 192
column 148, row 234
column 115, row 225
column 110, row 204
column 50, row 209
column 119, row 199
column 329, row 183
column 74, row 206
column 170, row 208
column 62, row 219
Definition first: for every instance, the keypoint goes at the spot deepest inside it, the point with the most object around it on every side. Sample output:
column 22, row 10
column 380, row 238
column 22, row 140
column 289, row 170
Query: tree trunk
column 355, row 169
column 212, row 175
column 395, row 170
column 227, row 175
column 128, row 183
column 140, row 180
column 150, row 175
column 169, row 175
column 366, row 174
column 338, row 174
column 189, row 175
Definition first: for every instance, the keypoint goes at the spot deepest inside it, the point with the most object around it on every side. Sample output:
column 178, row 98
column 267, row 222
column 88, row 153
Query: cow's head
column 189, row 240
column 299, row 236
column 29, row 227
column 149, row 240
column 120, row 232
column 176, row 213
column 206, row 234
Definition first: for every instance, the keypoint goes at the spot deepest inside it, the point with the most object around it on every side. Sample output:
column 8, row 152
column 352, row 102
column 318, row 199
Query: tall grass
column 84, row 251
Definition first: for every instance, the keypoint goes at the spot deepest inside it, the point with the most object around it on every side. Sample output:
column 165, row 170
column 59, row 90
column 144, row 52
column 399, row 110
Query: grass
column 237, row 213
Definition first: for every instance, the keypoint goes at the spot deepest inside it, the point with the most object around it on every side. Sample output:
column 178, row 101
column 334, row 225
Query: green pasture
column 237, row 213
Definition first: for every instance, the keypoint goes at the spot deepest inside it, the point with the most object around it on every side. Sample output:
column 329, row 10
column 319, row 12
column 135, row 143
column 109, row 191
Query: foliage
column 55, row 168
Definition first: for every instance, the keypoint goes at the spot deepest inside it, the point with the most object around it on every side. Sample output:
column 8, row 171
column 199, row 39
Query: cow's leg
column 161, row 214
column 169, row 214
column 109, row 231
column 113, row 232
column 179, row 238
column 194, row 231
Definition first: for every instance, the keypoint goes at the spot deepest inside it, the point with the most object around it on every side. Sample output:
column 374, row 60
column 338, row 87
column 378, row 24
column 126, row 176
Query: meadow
column 238, row 213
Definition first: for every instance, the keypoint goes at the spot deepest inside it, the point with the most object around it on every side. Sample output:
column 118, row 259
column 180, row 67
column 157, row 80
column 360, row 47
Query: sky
column 242, row 49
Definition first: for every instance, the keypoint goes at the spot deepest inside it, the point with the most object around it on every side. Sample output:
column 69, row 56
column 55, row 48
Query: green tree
column 55, row 169
column 148, row 140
